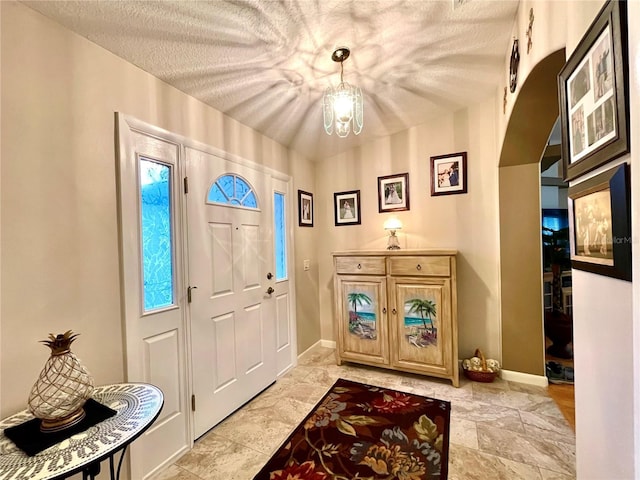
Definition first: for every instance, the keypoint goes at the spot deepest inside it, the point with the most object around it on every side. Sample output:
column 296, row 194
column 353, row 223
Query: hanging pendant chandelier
column 342, row 105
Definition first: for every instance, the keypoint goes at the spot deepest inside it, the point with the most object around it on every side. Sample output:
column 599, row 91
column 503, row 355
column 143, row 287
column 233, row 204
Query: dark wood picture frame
column 305, row 209
column 449, row 174
column 600, row 224
column 593, row 94
column 393, row 193
column 346, row 207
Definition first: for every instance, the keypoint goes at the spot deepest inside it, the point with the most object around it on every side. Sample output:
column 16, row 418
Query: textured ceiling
column 266, row 63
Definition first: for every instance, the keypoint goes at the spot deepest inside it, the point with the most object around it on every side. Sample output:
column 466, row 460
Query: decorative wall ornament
column 530, row 31
column 504, row 101
column 513, row 66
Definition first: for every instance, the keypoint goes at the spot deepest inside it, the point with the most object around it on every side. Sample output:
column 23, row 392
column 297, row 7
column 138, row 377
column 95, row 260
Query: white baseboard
column 328, row 343
column 319, row 343
column 538, row 380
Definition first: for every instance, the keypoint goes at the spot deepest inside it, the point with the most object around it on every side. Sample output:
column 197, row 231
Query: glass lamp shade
column 343, row 110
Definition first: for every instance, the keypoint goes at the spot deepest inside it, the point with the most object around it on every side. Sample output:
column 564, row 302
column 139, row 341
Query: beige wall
column 306, row 248
column 59, row 248
column 466, row 222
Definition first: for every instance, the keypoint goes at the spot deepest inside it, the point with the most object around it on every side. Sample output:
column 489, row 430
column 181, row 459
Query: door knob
column 269, row 276
column 270, row 290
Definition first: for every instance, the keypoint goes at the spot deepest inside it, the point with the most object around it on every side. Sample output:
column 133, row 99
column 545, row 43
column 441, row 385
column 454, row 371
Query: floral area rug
column 360, row 431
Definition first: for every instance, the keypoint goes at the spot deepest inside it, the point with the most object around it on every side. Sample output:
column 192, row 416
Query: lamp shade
column 392, row 224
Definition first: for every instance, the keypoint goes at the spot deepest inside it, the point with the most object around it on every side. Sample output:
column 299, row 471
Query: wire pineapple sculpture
column 63, row 387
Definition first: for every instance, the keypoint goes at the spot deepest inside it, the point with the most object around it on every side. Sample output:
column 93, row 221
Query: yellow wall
column 466, row 222
column 59, row 247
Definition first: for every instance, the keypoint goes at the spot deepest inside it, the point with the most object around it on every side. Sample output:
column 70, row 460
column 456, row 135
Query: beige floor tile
column 175, row 473
column 555, row 456
column 215, row 457
column 549, row 475
column 499, row 431
column 470, row 464
column 464, row 432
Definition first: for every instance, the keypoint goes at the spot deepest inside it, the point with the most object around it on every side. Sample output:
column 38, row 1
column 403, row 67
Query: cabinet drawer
column 360, row 265
column 420, row 266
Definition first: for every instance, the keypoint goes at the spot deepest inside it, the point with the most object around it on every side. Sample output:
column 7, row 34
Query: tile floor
column 502, row 430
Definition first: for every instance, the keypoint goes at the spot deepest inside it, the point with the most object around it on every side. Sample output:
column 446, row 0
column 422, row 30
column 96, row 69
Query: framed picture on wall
column 600, row 224
column 592, row 91
column 393, row 193
column 305, row 209
column 449, row 174
column 346, row 206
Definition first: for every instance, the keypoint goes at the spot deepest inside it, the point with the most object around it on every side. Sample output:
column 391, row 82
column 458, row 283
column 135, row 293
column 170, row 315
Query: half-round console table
column 137, row 405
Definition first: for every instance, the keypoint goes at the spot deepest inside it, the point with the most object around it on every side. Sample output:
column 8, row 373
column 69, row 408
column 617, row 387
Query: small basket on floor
column 484, row 375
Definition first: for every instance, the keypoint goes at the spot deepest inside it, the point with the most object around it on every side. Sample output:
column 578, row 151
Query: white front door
column 149, row 204
column 231, row 279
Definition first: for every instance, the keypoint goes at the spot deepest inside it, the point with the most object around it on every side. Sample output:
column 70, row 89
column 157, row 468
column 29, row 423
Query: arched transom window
column 232, row 190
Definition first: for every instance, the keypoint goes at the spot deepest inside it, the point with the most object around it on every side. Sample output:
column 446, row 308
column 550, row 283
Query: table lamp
column 392, row 224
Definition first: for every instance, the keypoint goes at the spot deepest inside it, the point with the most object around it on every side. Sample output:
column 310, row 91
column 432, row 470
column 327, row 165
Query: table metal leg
column 111, row 466
column 91, row 472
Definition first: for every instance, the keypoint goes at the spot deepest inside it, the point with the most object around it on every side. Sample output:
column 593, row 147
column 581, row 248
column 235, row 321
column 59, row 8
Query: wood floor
column 563, row 394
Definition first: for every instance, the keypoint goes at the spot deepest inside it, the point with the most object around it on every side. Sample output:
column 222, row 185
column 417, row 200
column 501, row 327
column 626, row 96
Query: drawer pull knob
column 384, row 310
column 359, row 266
column 394, row 311
column 419, row 267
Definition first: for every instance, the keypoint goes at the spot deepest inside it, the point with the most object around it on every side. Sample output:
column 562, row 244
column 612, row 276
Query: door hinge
column 186, row 184
column 193, row 403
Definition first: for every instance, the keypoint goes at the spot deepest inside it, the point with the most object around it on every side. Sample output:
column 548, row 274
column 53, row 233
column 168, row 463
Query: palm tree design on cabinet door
column 427, row 310
column 357, row 325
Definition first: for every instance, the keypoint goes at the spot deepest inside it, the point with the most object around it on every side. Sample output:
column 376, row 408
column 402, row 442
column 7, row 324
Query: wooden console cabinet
column 397, row 309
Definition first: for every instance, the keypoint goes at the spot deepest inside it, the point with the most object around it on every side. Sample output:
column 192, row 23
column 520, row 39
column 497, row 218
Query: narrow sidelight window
column 280, row 236
column 157, row 239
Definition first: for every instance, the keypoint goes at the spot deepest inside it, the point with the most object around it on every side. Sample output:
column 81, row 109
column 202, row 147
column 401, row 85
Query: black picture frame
column 593, row 94
column 448, row 174
column 305, row 209
column 596, row 246
column 393, row 193
column 346, row 207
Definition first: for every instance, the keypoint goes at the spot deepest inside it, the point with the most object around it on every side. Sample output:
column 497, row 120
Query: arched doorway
column 532, row 118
